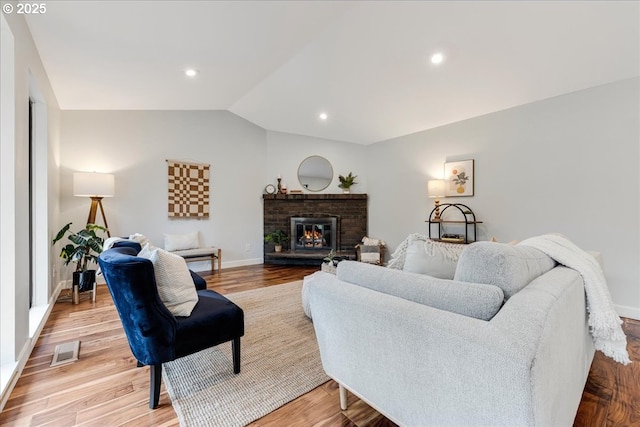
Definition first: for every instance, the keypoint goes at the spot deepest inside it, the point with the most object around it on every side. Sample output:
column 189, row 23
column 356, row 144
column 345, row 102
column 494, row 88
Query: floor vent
column 66, row 353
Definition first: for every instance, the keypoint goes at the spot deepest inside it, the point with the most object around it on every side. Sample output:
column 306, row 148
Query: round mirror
column 315, row 173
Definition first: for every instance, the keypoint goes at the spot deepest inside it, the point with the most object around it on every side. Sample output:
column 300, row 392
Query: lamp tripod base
column 93, row 210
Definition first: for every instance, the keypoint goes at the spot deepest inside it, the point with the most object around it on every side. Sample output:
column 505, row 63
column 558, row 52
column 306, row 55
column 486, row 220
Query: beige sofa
column 513, row 351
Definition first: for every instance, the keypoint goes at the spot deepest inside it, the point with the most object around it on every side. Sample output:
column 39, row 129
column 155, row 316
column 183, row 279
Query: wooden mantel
column 315, row 196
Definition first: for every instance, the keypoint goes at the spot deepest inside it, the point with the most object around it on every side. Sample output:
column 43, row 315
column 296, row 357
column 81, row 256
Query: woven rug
column 280, row 361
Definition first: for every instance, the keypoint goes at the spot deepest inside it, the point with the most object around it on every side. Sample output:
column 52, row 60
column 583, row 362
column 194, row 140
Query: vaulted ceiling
column 366, row 64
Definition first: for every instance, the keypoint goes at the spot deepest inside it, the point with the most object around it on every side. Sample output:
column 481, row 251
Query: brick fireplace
column 349, row 212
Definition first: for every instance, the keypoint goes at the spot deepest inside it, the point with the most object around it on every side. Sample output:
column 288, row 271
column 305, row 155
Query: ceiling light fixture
column 437, row 58
column 323, row 116
column 190, row 72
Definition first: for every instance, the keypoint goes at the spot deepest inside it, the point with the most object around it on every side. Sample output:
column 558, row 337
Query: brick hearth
column 351, row 210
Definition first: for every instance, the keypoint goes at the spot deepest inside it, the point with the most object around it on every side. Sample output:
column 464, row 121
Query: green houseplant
column 330, row 256
column 84, row 248
column 346, row 182
column 278, row 238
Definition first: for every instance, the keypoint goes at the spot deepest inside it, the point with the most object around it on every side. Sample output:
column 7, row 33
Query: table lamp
column 435, row 189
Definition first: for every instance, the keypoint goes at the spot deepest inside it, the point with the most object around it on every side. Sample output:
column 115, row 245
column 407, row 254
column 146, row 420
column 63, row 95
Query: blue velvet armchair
column 155, row 335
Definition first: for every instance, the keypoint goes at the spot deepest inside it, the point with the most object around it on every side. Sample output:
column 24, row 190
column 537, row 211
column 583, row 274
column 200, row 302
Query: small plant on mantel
column 346, row 182
column 278, row 238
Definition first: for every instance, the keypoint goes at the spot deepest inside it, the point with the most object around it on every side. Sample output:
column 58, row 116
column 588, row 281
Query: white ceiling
column 366, row 64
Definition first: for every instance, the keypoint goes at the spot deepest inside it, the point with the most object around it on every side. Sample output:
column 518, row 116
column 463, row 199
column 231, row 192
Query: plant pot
column 328, row 267
column 278, row 248
column 84, row 280
column 346, row 191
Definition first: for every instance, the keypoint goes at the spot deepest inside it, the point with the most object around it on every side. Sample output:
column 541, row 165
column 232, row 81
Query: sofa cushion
column 510, row 267
column 173, row 280
column 473, row 300
column 437, row 259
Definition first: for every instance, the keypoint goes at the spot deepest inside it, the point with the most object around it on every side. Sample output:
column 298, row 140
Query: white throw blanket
column 604, row 322
column 136, row 237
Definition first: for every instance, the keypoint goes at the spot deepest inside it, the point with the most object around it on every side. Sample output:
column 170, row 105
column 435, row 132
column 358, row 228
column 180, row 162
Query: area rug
column 280, row 361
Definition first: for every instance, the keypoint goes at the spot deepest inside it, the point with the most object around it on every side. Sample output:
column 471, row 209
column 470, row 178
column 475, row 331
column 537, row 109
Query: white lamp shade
column 93, row 184
column 435, row 188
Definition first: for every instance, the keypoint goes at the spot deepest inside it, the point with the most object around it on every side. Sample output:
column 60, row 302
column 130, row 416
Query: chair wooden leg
column 343, row 397
column 154, row 384
column 235, row 349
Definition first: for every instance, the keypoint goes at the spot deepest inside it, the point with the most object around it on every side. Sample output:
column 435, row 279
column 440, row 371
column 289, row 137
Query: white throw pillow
column 436, row 259
column 178, row 242
column 174, row 282
column 509, row 267
column 140, row 238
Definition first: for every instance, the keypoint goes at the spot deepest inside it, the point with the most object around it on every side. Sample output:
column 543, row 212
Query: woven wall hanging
column 188, row 189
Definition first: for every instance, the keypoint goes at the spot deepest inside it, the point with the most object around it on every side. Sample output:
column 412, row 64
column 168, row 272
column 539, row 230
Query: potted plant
column 84, row 248
column 277, row 237
column 330, row 256
column 346, row 182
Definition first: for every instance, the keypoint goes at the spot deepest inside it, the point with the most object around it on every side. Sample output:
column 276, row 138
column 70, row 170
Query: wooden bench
column 202, row 254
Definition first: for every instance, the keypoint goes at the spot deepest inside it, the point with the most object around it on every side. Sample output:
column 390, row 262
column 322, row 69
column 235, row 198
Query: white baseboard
column 628, row 311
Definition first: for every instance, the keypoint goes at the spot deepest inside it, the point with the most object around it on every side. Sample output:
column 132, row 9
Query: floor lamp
column 96, row 186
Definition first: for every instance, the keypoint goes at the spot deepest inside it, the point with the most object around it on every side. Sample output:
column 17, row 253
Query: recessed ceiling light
column 190, row 72
column 437, row 58
column 323, row 116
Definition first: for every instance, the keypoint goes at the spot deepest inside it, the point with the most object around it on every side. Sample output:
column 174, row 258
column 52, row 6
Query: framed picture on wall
column 459, row 178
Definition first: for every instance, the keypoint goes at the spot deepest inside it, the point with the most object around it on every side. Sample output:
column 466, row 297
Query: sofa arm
column 416, row 364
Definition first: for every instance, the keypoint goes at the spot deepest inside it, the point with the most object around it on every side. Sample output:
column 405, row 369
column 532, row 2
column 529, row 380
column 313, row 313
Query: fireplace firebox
column 313, row 234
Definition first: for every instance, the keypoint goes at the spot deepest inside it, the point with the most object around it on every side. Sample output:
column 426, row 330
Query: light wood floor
column 105, row 388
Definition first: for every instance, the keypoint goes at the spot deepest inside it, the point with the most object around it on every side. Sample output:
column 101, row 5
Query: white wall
column 244, row 158
column 134, row 145
column 18, row 324
column 568, row 164
column 286, row 151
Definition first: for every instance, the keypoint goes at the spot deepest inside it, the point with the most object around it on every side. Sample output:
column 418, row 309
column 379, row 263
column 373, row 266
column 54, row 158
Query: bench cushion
column 197, row 252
